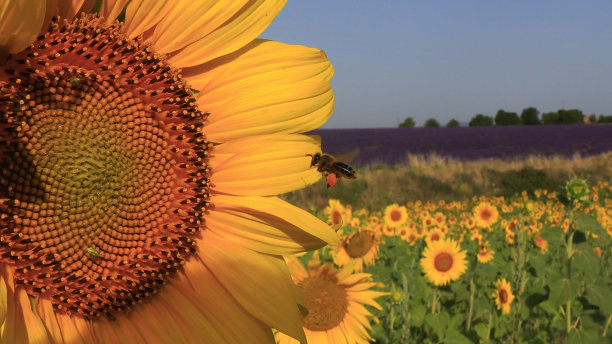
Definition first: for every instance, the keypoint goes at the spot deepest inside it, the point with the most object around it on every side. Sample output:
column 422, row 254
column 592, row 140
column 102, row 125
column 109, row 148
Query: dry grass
column 434, row 177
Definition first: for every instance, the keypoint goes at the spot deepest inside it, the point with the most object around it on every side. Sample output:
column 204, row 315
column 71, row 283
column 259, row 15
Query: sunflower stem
column 570, row 239
column 490, row 325
column 605, row 330
column 472, row 292
column 434, row 301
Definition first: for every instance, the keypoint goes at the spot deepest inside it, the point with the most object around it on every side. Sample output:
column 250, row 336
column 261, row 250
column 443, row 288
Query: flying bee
column 331, row 168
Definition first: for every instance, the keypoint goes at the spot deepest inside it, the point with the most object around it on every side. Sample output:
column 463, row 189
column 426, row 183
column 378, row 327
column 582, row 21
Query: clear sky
column 453, row 59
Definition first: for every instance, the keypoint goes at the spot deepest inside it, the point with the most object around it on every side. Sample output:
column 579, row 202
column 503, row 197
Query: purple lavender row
column 391, row 145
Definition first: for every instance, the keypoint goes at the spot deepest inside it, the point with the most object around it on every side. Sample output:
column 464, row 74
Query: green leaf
column 589, row 224
column 417, row 314
column 481, row 330
column 584, row 336
column 454, row 336
column 554, row 236
column 600, row 296
column 563, row 291
column 585, row 261
column 434, row 322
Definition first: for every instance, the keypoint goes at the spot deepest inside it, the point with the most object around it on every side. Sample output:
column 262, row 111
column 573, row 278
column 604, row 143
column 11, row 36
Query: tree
column 572, row 116
column 550, row 118
column 604, row 119
column 506, row 118
column 408, row 123
column 452, row 123
column 529, row 116
column 481, row 120
column 431, row 123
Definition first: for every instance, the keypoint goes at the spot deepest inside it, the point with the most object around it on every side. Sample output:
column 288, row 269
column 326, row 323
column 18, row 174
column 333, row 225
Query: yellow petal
column 233, row 323
column 262, row 60
column 20, row 23
column 247, row 275
column 68, row 9
column 22, row 325
column 260, row 232
column 45, row 311
column 275, row 207
column 267, row 87
column 2, row 300
column 267, row 167
column 244, row 26
column 141, row 15
column 190, row 21
column 111, row 9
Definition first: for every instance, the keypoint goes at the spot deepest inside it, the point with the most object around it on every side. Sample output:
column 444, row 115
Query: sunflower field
column 534, row 268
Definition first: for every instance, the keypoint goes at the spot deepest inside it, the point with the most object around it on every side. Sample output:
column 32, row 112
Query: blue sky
column 454, row 59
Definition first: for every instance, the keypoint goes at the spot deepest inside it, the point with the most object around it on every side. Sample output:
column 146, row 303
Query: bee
column 93, row 252
column 331, row 168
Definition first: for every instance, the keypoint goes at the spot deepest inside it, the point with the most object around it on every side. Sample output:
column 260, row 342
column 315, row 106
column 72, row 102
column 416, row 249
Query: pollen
column 104, row 176
column 326, row 301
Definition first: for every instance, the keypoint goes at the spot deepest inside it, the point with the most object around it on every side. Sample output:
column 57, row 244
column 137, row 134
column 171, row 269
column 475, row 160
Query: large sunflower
column 138, row 167
column 443, row 261
column 485, row 215
column 503, row 295
column 335, row 303
column 361, row 247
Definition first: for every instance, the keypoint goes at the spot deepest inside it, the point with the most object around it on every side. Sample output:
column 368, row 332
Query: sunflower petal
column 111, row 9
column 247, row 275
column 259, row 232
column 69, row 9
column 233, row 323
column 261, row 60
column 3, row 300
column 296, row 95
column 261, row 171
column 45, row 311
column 20, row 23
column 141, row 15
column 246, row 24
column 275, row 207
column 190, row 21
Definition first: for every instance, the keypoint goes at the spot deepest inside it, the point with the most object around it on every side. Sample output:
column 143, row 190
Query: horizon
column 446, row 60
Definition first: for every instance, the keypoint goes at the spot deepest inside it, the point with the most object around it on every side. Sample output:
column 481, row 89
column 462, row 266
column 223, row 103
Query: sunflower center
column 326, row 302
column 443, row 262
column 485, row 215
column 395, row 216
column 503, row 296
column 359, row 244
column 336, row 217
column 104, row 180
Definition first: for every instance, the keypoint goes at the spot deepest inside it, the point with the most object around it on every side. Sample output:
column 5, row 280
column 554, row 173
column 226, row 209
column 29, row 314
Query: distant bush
column 431, row 123
column 481, row 120
column 572, row 116
column 604, row 119
column 507, row 118
column 529, row 116
column 407, row 123
column 452, row 123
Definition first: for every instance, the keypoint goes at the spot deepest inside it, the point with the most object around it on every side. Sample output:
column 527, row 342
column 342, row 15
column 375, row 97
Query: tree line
column 529, row 116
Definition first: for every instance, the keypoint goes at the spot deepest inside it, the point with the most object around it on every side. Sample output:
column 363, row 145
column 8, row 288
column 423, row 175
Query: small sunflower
column 503, row 295
column 485, row 253
column 485, row 215
column 395, row 215
column 434, row 235
column 337, row 214
column 443, row 261
column 139, row 163
column 335, row 303
column 361, row 246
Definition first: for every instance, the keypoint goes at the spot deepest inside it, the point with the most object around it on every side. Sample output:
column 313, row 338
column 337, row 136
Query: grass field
column 478, row 252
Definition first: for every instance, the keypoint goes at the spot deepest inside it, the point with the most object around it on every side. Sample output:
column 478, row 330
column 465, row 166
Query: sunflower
column 395, row 215
column 337, row 214
column 361, row 246
column 434, row 235
column 335, row 303
column 485, row 253
column 485, row 215
column 139, row 166
column 503, row 295
column 443, row 261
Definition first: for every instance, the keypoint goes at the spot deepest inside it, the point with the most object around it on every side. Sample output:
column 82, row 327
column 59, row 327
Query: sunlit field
column 482, row 263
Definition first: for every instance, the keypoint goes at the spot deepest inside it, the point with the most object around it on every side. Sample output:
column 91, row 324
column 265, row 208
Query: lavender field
column 362, row 147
